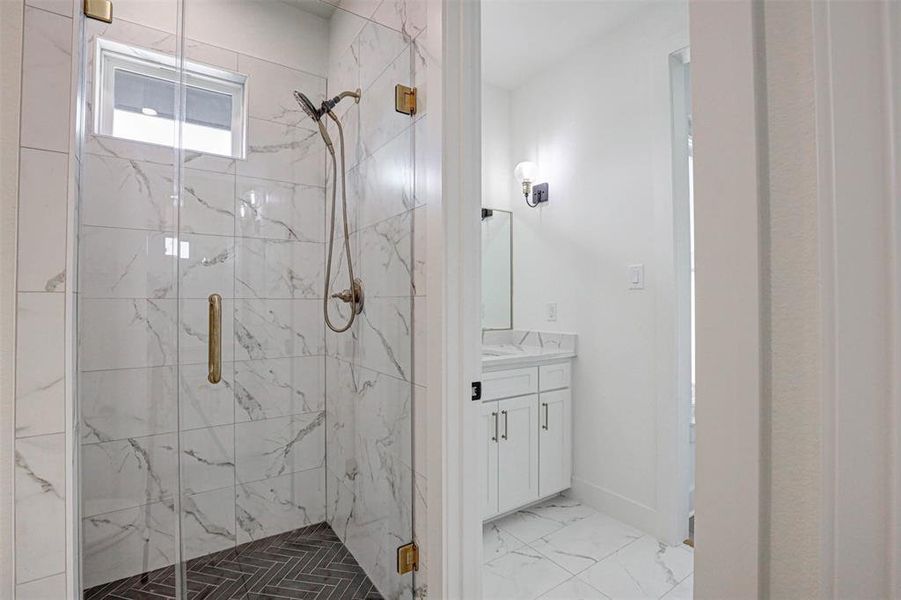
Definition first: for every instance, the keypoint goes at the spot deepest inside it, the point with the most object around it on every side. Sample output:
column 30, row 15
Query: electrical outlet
column 551, row 311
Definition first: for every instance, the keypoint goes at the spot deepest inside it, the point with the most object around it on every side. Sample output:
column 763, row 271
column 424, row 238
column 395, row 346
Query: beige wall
column 792, row 482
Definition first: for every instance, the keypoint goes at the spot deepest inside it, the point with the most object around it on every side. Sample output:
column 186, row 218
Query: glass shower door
column 232, row 445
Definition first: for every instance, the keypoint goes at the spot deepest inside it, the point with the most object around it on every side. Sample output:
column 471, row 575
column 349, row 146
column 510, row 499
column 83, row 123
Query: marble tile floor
column 564, row 550
column 308, row 563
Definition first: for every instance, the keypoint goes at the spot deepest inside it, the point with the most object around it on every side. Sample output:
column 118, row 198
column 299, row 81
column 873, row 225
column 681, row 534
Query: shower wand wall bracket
column 405, row 99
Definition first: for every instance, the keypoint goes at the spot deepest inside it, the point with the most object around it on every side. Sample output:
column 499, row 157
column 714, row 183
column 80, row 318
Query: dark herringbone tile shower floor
column 305, row 563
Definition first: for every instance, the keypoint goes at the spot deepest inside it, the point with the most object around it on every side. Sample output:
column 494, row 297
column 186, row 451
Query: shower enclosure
column 231, row 446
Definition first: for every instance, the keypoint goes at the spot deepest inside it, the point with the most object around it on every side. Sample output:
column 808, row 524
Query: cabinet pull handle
column 544, row 404
column 494, row 439
column 503, row 412
column 215, row 339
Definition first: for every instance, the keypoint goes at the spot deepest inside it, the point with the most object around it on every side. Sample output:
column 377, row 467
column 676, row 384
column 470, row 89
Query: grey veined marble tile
column 128, row 473
column 280, row 504
column 278, row 387
column 280, row 210
column 40, row 477
column 278, row 269
column 278, row 328
column 265, row 449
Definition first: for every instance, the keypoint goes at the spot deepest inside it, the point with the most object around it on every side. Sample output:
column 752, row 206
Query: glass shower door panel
column 370, row 369
column 127, row 301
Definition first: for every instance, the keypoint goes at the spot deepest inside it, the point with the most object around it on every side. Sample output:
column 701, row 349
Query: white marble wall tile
column 345, row 383
column 40, row 364
column 278, row 269
column 126, row 403
column 379, row 122
column 646, row 568
column 387, row 257
column 420, row 350
column 193, row 348
column 270, row 89
column 363, row 8
column 421, row 161
column 46, row 79
column 214, row 163
column 203, row 404
column 423, row 60
column 344, row 74
column 118, row 334
column 60, row 7
column 279, row 210
column 344, row 27
column 40, row 521
column 384, row 449
column 119, row 192
column 274, row 447
column 278, row 328
column 217, row 56
column 280, row 504
column 42, row 221
column 128, row 473
column 207, row 459
column 208, row 522
column 283, row 153
column 207, row 203
column 127, row 542
column 386, row 181
column 420, row 250
column 126, row 263
column 278, row 387
column 379, row 46
column 385, row 340
column 406, row 16
column 47, row 588
column 206, row 266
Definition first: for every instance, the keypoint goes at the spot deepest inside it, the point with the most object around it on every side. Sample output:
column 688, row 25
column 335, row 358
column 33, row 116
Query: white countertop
column 508, row 356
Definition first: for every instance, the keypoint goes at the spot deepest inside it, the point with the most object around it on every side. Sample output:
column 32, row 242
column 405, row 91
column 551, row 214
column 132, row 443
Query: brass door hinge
column 407, row 558
column 102, row 10
column 405, row 99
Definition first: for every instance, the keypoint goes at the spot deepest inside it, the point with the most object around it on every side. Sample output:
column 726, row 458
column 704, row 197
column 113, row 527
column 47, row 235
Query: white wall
column 601, row 137
column 497, row 162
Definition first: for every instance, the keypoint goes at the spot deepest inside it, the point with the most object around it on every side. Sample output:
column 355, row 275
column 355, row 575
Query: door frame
column 725, row 90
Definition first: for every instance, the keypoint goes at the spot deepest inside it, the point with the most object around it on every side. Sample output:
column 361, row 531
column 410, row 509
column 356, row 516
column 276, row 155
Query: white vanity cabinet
column 525, row 436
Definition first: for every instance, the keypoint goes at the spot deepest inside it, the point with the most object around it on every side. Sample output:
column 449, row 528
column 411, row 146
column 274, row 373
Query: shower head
column 307, row 105
column 316, row 113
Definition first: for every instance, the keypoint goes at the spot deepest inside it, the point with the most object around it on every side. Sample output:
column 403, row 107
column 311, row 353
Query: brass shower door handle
column 215, row 339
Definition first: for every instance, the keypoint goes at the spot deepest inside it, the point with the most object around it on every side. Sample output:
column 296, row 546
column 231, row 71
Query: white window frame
column 110, row 56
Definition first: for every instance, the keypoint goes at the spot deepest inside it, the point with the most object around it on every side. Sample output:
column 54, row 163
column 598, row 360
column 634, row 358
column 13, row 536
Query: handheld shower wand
column 354, row 293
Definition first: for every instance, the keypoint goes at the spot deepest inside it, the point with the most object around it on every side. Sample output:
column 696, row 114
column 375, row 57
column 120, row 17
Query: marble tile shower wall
column 252, row 448
column 43, row 289
column 375, row 380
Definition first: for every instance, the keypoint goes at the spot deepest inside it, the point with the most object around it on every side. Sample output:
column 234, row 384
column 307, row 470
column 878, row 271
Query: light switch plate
column 636, row 277
column 551, row 311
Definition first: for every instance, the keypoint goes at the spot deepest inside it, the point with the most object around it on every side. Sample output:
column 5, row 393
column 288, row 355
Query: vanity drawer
column 554, row 377
column 506, row 384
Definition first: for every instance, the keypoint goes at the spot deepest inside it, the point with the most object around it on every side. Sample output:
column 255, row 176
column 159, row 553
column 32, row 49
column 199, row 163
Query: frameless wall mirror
column 497, row 269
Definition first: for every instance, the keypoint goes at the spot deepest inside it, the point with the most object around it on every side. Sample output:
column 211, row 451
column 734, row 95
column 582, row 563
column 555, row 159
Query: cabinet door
column 488, row 438
column 554, row 445
column 517, row 452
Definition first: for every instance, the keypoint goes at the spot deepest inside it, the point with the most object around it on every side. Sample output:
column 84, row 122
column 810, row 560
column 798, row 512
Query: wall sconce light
column 526, row 172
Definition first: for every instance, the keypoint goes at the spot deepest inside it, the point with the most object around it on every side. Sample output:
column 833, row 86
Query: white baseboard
column 619, row 507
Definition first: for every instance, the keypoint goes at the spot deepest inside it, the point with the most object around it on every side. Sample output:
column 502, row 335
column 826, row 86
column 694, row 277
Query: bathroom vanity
column 526, row 420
